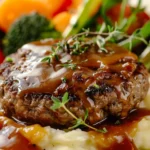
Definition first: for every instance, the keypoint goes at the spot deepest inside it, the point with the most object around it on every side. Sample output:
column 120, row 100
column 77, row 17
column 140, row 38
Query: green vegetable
column 79, row 21
column 26, row 29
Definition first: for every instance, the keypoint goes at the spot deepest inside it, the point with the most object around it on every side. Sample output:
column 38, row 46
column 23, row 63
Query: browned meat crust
column 105, row 84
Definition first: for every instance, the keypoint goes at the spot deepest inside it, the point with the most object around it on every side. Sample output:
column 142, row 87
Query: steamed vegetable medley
column 31, row 20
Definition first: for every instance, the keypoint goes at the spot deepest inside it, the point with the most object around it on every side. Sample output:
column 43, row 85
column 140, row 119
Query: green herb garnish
column 54, row 54
column 64, row 79
column 9, row 59
column 69, row 65
column 78, row 121
column 104, row 130
column 96, row 86
column 46, row 59
column 115, row 35
column 80, row 43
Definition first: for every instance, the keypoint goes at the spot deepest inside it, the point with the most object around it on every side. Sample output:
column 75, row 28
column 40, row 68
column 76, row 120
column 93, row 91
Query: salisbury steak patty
column 105, row 83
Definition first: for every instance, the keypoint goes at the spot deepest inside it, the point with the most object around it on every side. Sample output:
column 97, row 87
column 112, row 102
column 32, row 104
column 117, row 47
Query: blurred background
column 23, row 21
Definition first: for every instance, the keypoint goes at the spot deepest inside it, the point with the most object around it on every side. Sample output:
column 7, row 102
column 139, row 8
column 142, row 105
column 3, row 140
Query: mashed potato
column 142, row 136
column 51, row 139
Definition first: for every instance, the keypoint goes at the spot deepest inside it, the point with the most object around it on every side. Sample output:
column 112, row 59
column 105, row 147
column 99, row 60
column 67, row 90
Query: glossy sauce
column 34, row 75
column 119, row 136
column 11, row 139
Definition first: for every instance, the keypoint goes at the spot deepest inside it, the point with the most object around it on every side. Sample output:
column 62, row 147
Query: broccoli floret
column 26, row 29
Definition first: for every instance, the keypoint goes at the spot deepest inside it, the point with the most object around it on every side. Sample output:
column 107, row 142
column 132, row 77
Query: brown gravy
column 10, row 138
column 115, row 139
column 118, row 135
column 126, row 144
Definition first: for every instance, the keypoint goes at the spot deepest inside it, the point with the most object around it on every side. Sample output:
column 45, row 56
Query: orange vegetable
column 10, row 10
column 61, row 21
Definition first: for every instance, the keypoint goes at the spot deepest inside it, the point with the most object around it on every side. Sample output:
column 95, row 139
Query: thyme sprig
column 54, row 54
column 80, row 43
column 57, row 103
column 114, row 35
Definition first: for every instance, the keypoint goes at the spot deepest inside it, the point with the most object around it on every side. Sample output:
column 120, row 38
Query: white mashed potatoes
column 52, row 139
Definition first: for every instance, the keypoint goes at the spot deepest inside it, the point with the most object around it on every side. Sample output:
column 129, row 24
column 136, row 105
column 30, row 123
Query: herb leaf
column 77, row 124
column 56, row 103
column 9, row 59
column 96, row 86
column 104, row 130
column 79, row 44
column 64, row 80
column 46, row 59
column 65, row 98
column 86, row 115
column 69, row 65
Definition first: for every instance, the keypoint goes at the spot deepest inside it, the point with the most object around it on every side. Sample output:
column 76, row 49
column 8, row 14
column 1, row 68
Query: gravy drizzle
column 117, row 137
column 119, row 131
column 10, row 138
